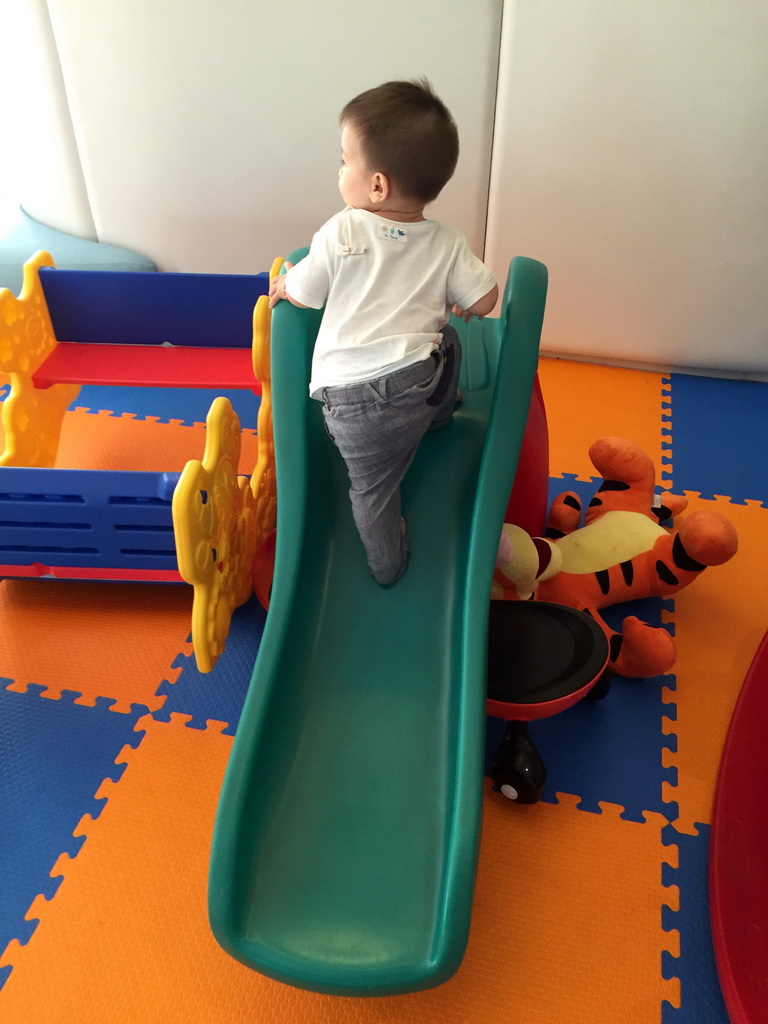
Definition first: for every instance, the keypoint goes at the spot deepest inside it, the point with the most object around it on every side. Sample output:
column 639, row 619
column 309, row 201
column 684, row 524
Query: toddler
column 386, row 361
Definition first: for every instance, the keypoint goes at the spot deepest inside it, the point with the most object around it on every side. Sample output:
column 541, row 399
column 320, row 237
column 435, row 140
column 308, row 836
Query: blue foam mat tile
column 701, row 1001
column 608, row 750
column 604, row 751
column 55, row 756
column 187, row 405
column 712, row 452
column 566, row 482
column 218, row 695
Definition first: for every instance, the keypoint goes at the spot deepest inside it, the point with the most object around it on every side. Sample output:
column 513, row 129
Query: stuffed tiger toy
column 621, row 553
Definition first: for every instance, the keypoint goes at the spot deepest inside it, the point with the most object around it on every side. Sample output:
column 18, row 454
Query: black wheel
column 517, row 769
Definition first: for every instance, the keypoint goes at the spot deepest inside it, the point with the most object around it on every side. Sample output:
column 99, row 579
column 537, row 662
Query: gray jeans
column 377, row 427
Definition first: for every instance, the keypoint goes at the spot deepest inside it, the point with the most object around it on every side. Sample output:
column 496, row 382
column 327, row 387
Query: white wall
column 39, row 166
column 630, row 145
column 208, row 131
column 631, row 156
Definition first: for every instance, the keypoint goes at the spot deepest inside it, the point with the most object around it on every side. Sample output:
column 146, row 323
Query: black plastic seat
column 542, row 659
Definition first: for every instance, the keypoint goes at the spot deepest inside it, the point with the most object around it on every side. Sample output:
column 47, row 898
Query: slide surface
column 345, row 846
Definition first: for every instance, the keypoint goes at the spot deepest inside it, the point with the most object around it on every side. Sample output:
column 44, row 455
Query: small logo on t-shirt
column 392, row 231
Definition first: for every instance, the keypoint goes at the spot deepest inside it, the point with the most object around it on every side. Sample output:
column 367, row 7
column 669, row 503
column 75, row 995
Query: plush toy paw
column 641, row 650
column 708, row 538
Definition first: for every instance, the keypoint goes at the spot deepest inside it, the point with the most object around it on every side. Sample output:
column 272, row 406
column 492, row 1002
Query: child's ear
column 380, row 188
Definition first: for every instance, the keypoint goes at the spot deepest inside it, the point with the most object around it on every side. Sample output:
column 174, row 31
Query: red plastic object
column 738, row 861
column 115, row 575
column 264, row 569
column 148, row 366
column 512, row 712
column 529, row 499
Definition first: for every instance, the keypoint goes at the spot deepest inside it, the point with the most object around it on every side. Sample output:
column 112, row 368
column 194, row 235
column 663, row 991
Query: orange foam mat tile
column 585, row 401
column 719, row 623
column 126, row 937
column 101, row 640
column 102, row 441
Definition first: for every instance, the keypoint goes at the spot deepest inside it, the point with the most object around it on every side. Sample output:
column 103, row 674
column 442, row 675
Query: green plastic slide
column 345, row 846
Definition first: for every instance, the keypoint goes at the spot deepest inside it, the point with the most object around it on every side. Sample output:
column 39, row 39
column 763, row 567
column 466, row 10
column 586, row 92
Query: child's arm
column 482, row 307
column 278, row 291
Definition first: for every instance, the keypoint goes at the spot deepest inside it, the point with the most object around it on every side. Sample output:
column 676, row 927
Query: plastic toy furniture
column 542, row 659
column 71, row 327
column 205, row 525
column 149, row 329
column 346, row 838
column 87, row 524
column 738, row 860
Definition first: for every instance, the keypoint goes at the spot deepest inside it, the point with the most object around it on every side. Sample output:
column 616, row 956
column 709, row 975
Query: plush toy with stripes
column 621, row 553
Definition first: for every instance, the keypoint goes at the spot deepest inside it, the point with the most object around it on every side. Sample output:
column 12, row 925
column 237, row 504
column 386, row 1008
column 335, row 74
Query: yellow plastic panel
column 263, row 483
column 214, row 524
column 32, row 420
column 32, row 416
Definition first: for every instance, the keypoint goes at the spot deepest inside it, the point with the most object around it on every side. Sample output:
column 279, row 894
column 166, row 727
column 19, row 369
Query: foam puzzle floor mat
column 590, row 907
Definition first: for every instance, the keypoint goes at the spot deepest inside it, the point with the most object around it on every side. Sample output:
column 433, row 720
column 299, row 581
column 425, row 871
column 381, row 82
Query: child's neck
column 401, row 216
column 402, row 211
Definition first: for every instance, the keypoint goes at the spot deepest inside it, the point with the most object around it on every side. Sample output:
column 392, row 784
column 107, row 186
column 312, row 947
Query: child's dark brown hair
column 407, row 133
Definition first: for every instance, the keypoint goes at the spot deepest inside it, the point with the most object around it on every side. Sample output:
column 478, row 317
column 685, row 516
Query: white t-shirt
column 388, row 289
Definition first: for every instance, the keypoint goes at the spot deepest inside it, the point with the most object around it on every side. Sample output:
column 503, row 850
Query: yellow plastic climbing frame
column 32, row 417
column 220, row 519
column 214, row 524
column 263, row 482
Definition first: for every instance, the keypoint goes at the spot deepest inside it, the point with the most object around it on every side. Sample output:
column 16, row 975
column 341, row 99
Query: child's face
column 356, row 181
